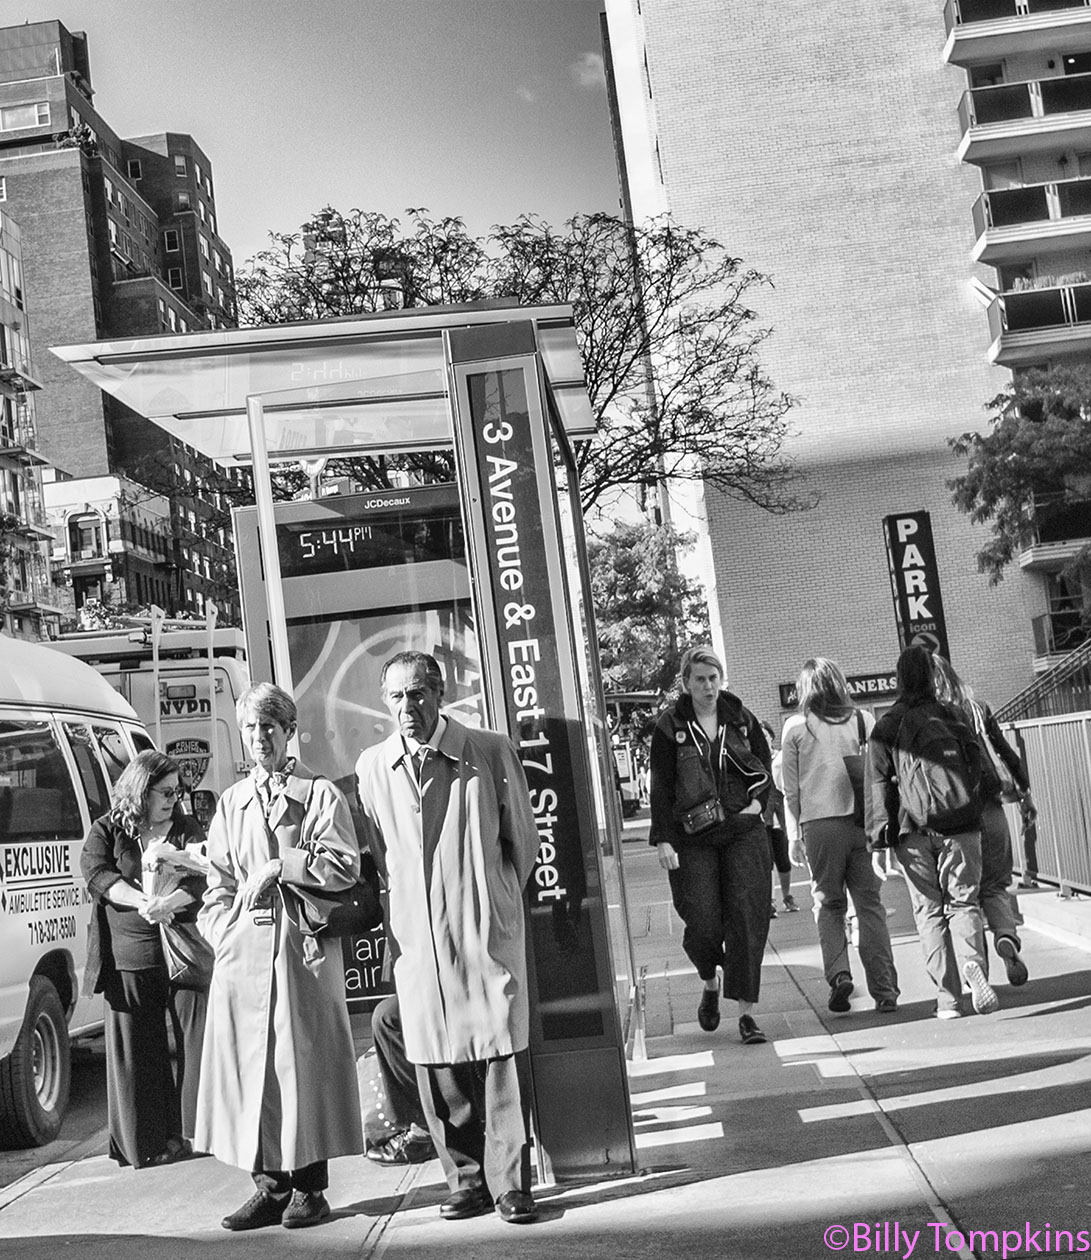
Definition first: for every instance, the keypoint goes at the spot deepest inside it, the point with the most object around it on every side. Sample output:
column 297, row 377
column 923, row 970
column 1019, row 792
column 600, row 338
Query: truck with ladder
column 184, row 694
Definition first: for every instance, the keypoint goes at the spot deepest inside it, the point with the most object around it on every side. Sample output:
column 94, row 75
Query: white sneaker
column 948, row 1012
column 982, row 993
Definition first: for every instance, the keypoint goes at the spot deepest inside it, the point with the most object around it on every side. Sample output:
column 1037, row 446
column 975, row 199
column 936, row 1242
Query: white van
column 65, row 737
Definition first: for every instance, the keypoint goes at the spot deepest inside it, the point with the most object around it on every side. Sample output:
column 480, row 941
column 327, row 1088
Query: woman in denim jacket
column 710, row 778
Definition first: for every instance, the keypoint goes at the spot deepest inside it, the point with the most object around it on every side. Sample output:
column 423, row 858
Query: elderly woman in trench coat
column 278, row 1089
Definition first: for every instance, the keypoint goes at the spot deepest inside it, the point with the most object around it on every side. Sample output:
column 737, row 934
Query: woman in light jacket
column 819, row 798
column 278, row 1078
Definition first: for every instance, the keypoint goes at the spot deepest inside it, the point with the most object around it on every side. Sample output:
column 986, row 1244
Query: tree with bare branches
column 670, row 344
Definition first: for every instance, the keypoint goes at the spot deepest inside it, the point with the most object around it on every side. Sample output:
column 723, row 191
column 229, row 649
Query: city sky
column 481, row 108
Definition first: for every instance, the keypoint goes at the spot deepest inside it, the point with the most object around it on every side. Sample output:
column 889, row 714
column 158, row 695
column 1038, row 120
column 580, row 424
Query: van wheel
column 35, row 1077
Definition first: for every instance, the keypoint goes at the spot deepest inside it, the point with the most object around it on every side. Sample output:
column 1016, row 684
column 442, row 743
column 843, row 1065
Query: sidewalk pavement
column 860, row 1133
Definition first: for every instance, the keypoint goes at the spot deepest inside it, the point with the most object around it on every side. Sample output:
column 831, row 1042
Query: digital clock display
column 349, row 544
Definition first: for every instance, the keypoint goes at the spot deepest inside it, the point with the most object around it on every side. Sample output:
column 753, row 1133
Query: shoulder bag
column 854, row 768
column 352, row 911
column 188, row 956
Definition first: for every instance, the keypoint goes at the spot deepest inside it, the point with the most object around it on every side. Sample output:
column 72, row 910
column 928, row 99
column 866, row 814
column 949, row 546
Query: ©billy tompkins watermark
column 893, row 1238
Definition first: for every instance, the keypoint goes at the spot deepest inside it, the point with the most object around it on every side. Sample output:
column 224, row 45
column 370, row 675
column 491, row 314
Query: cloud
column 588, row 70
column 526, row 94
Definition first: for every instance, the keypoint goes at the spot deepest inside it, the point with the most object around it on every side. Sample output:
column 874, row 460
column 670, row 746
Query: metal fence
column 1056, row 847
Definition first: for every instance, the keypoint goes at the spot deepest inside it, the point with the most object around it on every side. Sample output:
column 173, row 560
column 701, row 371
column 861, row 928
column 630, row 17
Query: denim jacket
column 683, row 774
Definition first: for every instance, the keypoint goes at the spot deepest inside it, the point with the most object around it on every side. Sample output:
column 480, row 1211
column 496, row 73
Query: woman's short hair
column 135, row 782
column 916, row 674
column 702, row 654
column 823, row 690
column 267, row 702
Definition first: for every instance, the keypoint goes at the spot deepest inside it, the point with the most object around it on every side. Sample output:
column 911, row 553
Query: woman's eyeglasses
column 170, row 793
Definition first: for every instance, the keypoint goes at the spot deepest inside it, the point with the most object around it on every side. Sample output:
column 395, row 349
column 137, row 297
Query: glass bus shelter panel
column 372, row 383
column 363, row 577
column 610, row 830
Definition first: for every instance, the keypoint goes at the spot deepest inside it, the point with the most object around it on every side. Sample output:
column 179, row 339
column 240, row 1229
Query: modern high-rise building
column 821, row 144
column 27, row 607
column 1025, row 127
column 120, row 238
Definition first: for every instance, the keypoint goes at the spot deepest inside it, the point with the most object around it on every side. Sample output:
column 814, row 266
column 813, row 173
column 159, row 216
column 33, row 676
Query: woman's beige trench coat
column 274, row 1017
column 455, row 873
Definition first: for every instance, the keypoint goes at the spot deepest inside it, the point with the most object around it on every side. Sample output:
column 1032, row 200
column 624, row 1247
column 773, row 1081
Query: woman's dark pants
column 721, row 893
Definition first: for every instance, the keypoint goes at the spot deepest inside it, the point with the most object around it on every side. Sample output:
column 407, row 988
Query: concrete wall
column 46, row 199
column 818, row 142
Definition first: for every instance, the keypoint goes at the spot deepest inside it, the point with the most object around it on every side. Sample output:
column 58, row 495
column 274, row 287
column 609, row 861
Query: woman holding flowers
column 150, row 1099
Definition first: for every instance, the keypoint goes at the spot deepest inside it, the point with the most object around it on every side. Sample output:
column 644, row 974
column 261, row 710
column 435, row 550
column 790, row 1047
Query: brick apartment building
column 120, row 238
column 821, row 143
column 27, row 609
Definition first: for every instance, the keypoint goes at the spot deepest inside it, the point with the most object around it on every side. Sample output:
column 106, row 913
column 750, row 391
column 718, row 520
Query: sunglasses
column 170, row 794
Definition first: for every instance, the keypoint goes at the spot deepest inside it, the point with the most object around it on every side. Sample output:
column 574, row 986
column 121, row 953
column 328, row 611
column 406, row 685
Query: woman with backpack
column 923, row 789
column 710, row 779
column 820, row 799
column 1005, row 778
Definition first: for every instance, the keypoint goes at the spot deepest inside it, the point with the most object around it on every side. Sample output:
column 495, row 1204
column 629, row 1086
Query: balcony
column 17, row 371
column 989, row 30
column 1012, row 224
column 1031, row 324
column 1013, row 119
column 1062, row 529
column 17, row 449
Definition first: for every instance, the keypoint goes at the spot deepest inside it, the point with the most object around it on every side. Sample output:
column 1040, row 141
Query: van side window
column 37, row 797
column 113, row 750
column 91, row 776
column 141, row 742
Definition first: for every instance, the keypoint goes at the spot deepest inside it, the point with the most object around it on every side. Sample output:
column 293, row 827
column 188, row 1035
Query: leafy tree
column 647, row 611
column 670, row 344
column 1031, row 472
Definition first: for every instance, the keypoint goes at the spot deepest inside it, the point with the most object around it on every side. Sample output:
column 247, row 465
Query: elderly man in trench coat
column 278, row 1093
column 453, row 833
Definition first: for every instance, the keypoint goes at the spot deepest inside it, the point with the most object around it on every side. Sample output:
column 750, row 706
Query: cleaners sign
column 914, row 582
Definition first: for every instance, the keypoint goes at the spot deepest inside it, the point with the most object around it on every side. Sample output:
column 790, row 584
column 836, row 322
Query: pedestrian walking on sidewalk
column 923, row 791
column 777, row 826
column 150, row 1101
column 1004, row 779
column 278, row 1078
column 710, row 780
column 820, row 802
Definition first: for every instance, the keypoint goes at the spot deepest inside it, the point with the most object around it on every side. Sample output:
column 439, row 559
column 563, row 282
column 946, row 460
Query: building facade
column 120, row 238
column 28, row 607
column 821, row 147
column 1025, row 132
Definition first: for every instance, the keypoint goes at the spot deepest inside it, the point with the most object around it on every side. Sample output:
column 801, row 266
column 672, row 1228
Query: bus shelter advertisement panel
column 336, row 665
column 364, row 577
column 548, row 742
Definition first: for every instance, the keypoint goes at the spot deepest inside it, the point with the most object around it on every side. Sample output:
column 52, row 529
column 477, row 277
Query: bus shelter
column 488, row 573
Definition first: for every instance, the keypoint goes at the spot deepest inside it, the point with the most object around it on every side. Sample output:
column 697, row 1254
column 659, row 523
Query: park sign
column 914, row 582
